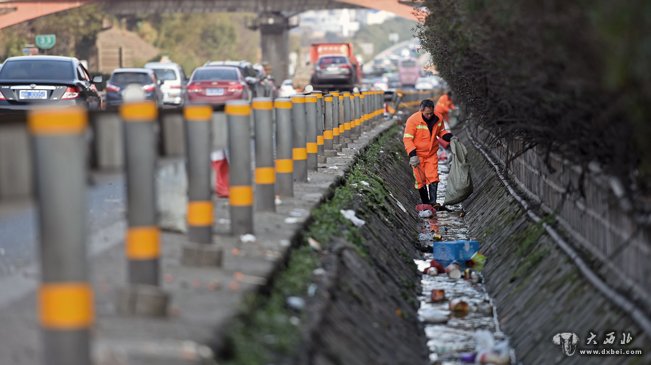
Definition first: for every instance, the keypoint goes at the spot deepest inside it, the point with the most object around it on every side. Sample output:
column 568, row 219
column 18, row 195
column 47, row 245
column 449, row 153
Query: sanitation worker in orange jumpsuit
column 444, row 105
column 421, row 144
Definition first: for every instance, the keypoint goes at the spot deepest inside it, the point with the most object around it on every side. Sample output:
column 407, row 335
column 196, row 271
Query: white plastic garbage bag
column 459, row 182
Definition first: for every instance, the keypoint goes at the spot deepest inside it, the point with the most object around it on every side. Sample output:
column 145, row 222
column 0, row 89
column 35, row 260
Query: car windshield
column 125, row 78
column 333, row 61
column 214, row 73
column 37, row 70
column 165, row 74
column 408, row 63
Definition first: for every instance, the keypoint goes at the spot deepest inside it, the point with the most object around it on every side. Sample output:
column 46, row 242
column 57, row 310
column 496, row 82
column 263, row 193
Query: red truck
column 335, row 66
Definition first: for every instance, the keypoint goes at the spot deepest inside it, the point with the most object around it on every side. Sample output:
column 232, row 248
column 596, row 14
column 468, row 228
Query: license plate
column 32, row 94
column 214, row 92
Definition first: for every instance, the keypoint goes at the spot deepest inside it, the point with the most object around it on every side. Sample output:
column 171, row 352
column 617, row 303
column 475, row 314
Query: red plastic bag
column 221, row 181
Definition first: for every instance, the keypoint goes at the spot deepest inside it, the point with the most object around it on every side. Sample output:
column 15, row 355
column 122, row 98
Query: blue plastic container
column 445, row 252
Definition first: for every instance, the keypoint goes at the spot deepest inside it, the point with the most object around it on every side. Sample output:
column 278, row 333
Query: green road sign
column 45, row 41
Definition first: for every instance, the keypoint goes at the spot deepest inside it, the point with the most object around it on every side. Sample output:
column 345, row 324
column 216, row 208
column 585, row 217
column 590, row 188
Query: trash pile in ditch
column 459, row 317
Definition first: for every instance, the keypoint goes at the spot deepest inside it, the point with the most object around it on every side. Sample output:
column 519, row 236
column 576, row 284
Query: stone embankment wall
column 538, row 291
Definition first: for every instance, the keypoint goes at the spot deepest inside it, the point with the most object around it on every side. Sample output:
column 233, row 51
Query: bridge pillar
column 274, row 41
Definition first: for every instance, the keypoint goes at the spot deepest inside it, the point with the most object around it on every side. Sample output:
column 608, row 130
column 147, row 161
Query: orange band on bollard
column 282, row 104
column 298, row 100
column 328, row 99
column 200, row 213
column 262, row 104
column 327, row 134
column 310, row 99
column 335, row 131
column 143, row 243
column 243, row 110
column 299, row 154
column 142, row 111
column 312, row 147
column 197, row 113
column 285, row 166
column 319, row 96
column 265, row 175
column 65, row 306
column 319, row 140
column 240, row 196
column 347, row 126
column 57, row 121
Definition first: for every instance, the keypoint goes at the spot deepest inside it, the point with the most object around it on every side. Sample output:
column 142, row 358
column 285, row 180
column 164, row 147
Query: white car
column 286, row 89
column 173, row 80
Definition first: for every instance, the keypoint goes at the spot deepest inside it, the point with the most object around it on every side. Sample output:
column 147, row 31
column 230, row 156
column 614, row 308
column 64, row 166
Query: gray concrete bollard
column 238, row 114
column 284, row 146
column 311, row 132
column 172, row 133
column 328, row 123
column 199, row 251
column 109, row 141
column 348, row 114
column 16, row 180
column 143, row 234
column 299, row 136
column 65, row 298
column 357, row 116
column 336, row 138
column 265, row 173
column 320, row 124
column 200, row 209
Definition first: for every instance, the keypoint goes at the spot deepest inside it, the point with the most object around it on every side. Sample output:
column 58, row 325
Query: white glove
column 414, row 161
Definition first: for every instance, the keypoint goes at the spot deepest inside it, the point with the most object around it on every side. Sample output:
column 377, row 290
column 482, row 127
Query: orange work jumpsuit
column 443, row 106
column 418, row 137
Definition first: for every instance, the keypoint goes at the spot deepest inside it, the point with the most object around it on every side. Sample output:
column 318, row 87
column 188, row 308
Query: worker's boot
column 432, row 193
column 424, row 197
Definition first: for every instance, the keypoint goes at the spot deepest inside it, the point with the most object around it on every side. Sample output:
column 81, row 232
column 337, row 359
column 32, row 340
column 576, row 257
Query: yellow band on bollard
column 57, row 121
column 282, row 104
column 299, row 154
column 142, row 243
column 312, row 147
column 327, row 134
column 265, row 175
column 240, row 196
column 347, row 126
column 335, row 93
column 65, row 306
column 142, row 111
column 197, row 113
column 298, row 100
column 200, row 213
column 310, row 99
column 319, row 96
column 262, row 104
column 243, row 110
column 335, row 131
column 285, row 166
column 319, row 140
column 328, row 99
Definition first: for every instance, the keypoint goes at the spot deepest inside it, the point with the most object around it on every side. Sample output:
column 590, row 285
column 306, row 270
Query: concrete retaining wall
column 538, row 291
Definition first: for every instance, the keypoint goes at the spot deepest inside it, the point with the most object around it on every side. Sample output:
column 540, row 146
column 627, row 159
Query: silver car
column 173, row 81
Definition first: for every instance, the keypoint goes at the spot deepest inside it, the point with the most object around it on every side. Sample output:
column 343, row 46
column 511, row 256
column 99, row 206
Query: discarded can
column 459, row 307
column 467, row 274
column 437, row 295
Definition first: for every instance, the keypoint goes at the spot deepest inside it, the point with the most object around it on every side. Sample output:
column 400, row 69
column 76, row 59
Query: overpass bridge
column 273, row 19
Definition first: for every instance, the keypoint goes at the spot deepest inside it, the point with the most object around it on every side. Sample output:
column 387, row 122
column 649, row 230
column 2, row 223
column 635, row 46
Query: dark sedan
column 30, row 81
column 143, row 77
